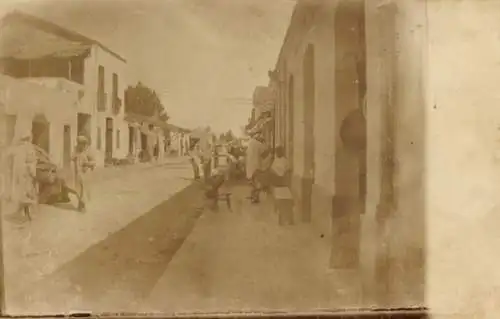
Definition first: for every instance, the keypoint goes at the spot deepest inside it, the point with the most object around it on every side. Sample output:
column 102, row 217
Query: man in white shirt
column 275, row 176
column 206, row 156
column 279, row 168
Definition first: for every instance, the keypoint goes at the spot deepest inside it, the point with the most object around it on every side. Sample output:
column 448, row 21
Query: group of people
column 265, row 167
column 36, row 180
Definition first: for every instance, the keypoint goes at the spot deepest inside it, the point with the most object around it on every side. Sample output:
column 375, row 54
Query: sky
column 204, row 57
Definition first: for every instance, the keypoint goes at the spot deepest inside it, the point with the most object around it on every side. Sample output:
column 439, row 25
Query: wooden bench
column 223, row 196
column 283, row 204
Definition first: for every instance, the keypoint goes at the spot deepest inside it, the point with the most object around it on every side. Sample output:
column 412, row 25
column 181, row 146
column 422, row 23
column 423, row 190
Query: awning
column 264, row 99
column 259, row 126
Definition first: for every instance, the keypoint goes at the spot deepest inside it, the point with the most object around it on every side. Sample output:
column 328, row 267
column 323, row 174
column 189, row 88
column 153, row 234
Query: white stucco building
column 61, row 59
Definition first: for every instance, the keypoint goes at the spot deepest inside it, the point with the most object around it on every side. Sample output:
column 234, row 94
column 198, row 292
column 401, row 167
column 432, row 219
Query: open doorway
column 350, row 131
column 131, row 140
column 144, row 147
column 83, row 125
column 108, row 146
column 40, row 131
column 291, row 105
column 67, row 146
column 11, row 121
column 309, row 140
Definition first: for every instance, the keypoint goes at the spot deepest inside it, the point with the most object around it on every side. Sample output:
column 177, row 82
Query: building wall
column 111, row 65
column 393, row 231
column 291, row 64
column 463, row 166
column 402, row 272
column 25, row 100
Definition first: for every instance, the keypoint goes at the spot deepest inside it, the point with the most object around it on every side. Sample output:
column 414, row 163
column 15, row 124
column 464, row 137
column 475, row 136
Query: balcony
column 102, row 99
column 19, row 96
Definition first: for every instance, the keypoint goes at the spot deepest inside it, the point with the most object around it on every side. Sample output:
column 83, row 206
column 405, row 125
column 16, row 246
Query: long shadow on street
column 129, row 261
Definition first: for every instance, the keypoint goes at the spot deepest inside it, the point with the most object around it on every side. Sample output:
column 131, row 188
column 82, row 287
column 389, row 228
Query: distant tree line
column 227, row 137
column 142, row 100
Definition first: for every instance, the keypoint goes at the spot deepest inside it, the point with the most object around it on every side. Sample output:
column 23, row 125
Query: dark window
column 117, row 139
column 115, row 92
column 101, row 94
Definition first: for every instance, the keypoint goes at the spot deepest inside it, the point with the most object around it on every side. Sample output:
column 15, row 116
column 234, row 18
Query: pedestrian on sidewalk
column 84, row 162
column 257, row 152
column 194, row 159
column 206, row 157
column 276, row 175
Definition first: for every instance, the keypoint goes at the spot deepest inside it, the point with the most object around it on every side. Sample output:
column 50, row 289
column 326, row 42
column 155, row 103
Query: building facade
column 361, row 188
column 27, row 108
column 58, row 58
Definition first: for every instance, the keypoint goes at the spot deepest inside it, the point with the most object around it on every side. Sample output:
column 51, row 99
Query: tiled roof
column 24, row 42
column 24, row 36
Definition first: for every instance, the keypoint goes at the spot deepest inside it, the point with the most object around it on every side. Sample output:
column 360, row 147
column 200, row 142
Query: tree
column 142, row 100
column 230, row 136
column 227, row 137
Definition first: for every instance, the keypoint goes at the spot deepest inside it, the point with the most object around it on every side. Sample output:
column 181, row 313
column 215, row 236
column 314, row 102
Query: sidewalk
column 58, row 234
column 244, row 261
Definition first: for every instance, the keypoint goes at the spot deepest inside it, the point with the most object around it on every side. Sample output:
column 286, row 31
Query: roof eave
column 53, row 28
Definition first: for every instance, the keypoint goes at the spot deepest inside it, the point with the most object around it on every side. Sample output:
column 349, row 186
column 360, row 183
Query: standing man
column 257, row 153
column 206, row 157
column 194, row 156
column 84, row 161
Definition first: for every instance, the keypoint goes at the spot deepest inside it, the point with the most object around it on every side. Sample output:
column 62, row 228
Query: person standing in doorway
column 84, row 162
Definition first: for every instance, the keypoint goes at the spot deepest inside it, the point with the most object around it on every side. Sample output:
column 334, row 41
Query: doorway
column 309, row 140
column 67, row 146
column 83, row 125
column 11, row 121
column 291, row 106
column 144, row 147
column 131, row 140
column 350, row 132
column 40, row 130
column 108, row 147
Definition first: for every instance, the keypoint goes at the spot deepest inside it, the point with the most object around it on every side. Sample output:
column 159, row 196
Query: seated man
column 275, row 176
column 53, row 188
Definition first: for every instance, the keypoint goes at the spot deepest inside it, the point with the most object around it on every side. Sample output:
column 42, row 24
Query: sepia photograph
column 189, row 157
